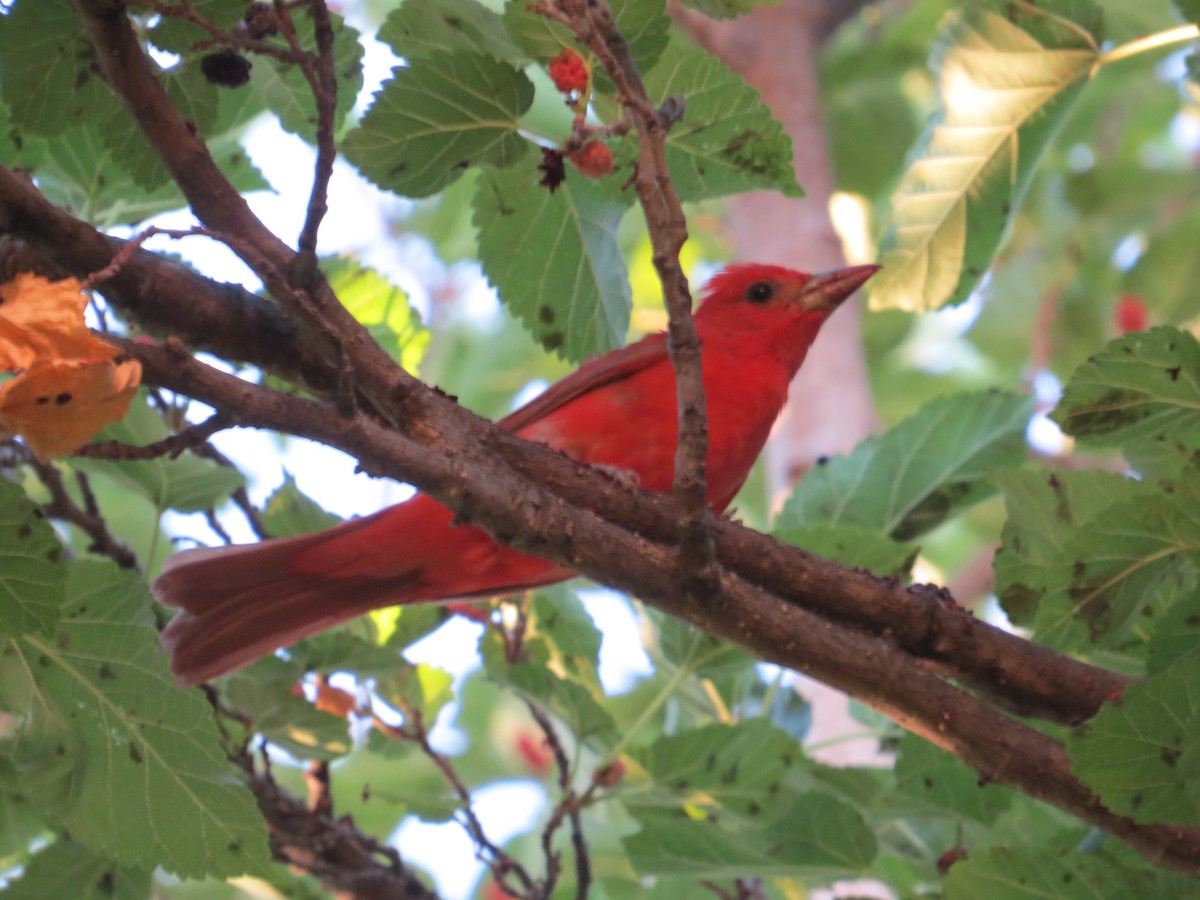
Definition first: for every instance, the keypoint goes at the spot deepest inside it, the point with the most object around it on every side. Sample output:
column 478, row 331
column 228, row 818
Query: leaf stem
column 1149, row 42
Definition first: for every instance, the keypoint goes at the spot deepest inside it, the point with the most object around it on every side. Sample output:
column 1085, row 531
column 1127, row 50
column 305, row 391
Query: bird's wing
column 595, row 373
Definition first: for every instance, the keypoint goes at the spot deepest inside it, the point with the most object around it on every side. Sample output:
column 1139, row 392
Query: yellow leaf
column 58, row 405
column 42, row 319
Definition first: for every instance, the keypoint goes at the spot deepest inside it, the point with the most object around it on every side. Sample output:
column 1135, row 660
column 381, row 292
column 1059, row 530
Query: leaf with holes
column 31, row 584
column 916, row 475
column 1008, row 74
column 151, row 784
column 555, row 258
column 1141, row 753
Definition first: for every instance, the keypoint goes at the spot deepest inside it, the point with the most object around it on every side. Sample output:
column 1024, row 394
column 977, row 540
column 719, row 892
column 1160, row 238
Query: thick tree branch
column 484, row 492
column 237, row 325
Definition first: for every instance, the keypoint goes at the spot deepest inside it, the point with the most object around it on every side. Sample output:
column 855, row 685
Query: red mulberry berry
column 593, row 159
column 568, row 72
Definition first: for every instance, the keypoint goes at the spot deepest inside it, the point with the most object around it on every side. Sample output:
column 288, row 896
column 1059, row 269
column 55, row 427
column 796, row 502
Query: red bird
column 755, row 326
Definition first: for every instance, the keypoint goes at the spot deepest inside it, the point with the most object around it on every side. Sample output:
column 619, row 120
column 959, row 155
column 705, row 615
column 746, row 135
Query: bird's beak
column 827, row 290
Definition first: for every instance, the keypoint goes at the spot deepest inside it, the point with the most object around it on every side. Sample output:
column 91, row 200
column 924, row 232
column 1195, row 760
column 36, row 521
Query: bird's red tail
column 240, row 603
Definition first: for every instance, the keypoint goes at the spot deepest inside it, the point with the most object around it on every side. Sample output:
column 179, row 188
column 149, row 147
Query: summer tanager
column 755, row 326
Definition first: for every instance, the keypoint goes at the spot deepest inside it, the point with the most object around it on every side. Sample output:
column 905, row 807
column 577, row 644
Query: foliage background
column 1078, row 193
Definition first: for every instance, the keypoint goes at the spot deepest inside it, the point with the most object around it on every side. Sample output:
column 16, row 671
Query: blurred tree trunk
column 831, row 409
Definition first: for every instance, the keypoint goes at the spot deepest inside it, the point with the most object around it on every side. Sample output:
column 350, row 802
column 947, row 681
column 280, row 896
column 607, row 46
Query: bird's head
column 779, row 307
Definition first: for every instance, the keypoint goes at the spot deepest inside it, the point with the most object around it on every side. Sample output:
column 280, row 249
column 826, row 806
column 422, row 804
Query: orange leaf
column 57, row 405
column 42, row 319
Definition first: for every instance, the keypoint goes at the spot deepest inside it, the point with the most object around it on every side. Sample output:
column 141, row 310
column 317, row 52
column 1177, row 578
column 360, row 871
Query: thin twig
column 500, row 863
column 189, row 438
column 322, row 80
column 61, row 506
column 567, row 805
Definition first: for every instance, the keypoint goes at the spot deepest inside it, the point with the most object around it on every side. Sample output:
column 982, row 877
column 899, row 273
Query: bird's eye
column 759, row 292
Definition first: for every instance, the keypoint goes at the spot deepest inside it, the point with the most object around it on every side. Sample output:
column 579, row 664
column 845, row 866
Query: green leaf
column 68, row 869
column 1178, row 632
column 382, row 307
column 555, row 257
column 951, row 788
column 855, row 546
column 1142, row 388
column 31, row 581
column 915, row 476
column 1086, row 555
column 719, row 770
column 186, row 483
column 701, row 655
column 151, row 785
column 1008, row 74
column 727, row 9
column 436, row 118
column 819, row 835
column 728, row 141
column 420, row 27
column 288, row 512
column 50, row 79
column 559, row 619
column 288, row 93
column 1141, row 754
column 263, row 693
column 1026, row 873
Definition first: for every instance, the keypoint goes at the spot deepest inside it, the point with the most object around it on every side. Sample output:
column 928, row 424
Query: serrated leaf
column 382, row 307
column 555, row 257
column 818, row 835
column 151, row 785
column 949, row 786
column 50, row 80
column 727, row 9
column 728, row 141
column 288, row 512
column 1144, row 387
column 855, row 546
column 1085, row 556
column 718, row 770
column 919, row 473
column 1141, row 754
column 68, row 869
column 1026, row 873
column 31, row 581
column 1008, row 74
column 186, row 483
column 287, row 92
column 420, row 27
column 437, row 117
